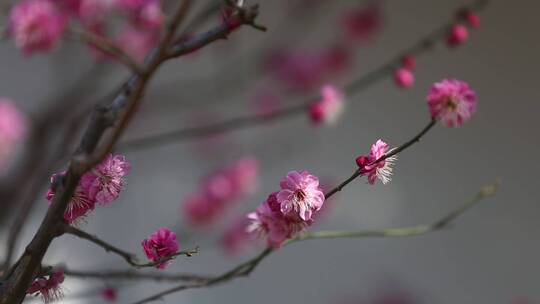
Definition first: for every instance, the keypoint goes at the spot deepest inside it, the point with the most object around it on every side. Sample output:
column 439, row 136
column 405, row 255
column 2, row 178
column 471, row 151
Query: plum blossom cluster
column 160, row 245
column 13, row 125
column 329, row 108
column 100, row 186
column 221, row 189
column 373, row 166
column 38, row 25
column 403, row 76
column 287, row 212
column 48, row 287
column 451, row 101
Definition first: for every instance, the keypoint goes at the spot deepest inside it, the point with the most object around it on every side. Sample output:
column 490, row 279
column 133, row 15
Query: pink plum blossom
column 469, row 16
column 458, row 34
column 132, row 5
column 48, row 288
column 107, row 179
column 329, row 108
column 403, row 78
column 300, row 194
column 109, row 294
column 201, row 210
column 452, row 101
column 369, row 166
column 79, row 206
column 36, row 25
column 13, row 129
column 270, row 222
column 159, row 245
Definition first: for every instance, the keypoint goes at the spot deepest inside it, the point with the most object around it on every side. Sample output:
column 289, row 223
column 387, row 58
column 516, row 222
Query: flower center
column 451, row 105
column 299, row 195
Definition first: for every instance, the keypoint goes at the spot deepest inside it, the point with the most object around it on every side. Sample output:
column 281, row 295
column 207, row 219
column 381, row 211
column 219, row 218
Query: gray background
column 489, row 256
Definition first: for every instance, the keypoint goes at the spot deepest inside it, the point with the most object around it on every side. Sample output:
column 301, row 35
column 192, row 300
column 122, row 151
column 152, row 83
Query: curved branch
column 246, row 268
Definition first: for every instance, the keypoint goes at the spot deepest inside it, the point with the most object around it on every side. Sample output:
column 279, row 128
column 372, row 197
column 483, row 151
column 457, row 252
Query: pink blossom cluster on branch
column 48, row 287
column 102, row 185
column 159, row 245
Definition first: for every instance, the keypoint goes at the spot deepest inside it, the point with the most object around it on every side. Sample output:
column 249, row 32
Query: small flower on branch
column 160, row 245
column 48, row 287
column 372, row 165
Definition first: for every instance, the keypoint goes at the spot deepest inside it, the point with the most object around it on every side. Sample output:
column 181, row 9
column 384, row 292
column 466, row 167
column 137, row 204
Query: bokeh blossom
column 452, row 101
column 457, row 35
column 329, row 108
column 369, row 166
column 160, row 244
column 137, row 42
column 48, row 288
column 13, row 129
column 221, row 189
column 403, row 78
column 363, row 22
column 36, row 25
column 109, row 294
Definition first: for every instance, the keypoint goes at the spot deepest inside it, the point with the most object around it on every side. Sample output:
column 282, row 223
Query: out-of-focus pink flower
column 381, row 170
column 270, row 222
column 403, row 78
column 36, row 25
column 109, row 294
column 469, row 16
column 452, row 101
column 160, row 244
column 132, row 5
column 266, row 102
column 107, row 179
column 95, row 11
column 408, row 62
column 48, row 288
column 458, row 34
column 149, row 16
column 13, row 126
column 220, row 189
column 363, row 22
column 70, row 7
column 80, row 204
column 329, row 108
column 300, row 194
column 305, row 69
column 137, row 43
column 236, row 237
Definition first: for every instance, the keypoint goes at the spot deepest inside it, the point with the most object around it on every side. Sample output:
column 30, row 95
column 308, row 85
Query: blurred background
column 489, row 256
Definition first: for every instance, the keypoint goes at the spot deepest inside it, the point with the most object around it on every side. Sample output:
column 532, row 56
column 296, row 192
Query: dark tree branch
column 118, row 114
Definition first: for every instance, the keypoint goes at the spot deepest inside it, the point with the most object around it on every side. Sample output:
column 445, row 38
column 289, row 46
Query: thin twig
column 105, row 45
column 132, row 275
column 246, row 268
column 130, row 258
